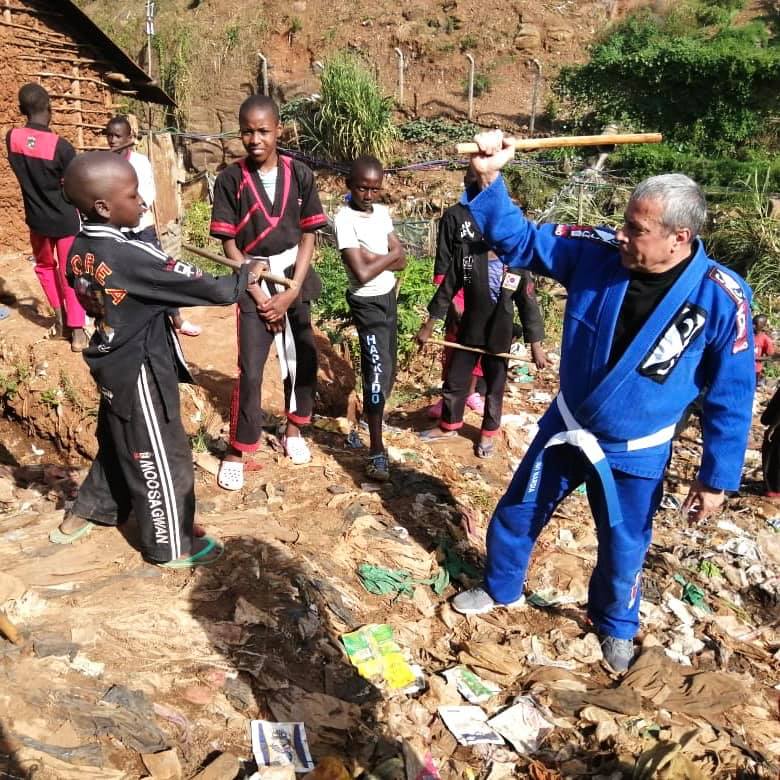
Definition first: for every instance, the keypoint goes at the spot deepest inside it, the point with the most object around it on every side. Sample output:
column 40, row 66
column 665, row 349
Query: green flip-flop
column 58, row 537
column 197, row 558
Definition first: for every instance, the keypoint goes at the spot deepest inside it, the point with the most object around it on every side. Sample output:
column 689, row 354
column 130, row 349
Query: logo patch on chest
column 668, row 349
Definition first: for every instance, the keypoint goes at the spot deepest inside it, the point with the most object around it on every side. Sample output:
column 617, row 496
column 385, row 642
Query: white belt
column 283, row 340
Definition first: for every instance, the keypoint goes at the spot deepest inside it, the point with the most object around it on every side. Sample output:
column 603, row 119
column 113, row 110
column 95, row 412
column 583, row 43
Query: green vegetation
column 352, row 117
column 747, row 238
column 482, row 84
column 197, row 219
column 437, row 131
column 710, row 86
column 332, row 312
column 174, row 52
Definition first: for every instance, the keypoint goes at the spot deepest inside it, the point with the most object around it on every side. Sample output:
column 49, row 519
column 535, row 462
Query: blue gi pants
column 613, row 599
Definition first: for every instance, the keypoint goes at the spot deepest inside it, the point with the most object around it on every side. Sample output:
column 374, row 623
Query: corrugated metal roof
column 85, row 28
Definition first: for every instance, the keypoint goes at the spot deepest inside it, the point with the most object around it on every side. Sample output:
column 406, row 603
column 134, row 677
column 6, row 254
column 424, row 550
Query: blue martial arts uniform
column 612, row 427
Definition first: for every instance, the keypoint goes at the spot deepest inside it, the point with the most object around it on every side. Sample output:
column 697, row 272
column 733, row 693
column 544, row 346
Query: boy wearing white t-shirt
column 119, row 135
column 371, row 252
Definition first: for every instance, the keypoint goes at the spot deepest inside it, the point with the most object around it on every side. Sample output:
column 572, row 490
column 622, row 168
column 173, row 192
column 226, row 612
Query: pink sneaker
column 476, row 402
column 434, row 410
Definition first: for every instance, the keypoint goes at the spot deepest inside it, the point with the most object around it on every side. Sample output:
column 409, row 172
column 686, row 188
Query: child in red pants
column 38, row 158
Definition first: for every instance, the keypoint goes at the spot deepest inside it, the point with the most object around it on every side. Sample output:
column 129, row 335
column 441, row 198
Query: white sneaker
column 478, row 601
column 297, row 450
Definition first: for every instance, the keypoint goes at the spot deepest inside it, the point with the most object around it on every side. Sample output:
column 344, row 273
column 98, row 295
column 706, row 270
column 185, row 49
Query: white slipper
column 188, row 328
column 231, row 475
column 297, row 450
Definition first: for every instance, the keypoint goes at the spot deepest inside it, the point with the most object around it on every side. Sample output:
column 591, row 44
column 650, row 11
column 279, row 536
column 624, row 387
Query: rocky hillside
column 208, row 50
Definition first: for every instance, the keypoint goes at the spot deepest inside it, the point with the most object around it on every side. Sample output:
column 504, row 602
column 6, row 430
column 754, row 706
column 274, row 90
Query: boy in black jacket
column 144, row 462
column 490, row 293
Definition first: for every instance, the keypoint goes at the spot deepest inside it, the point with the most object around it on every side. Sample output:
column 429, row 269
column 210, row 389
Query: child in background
column 119, row 135
column 371, row 252
column 458, row 236
column 267, row 205
column 490, row 294
column 764, row 346
column 144, row 460
column 38, row 158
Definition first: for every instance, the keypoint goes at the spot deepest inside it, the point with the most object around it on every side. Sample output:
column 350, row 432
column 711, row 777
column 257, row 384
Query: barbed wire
column 605, row 180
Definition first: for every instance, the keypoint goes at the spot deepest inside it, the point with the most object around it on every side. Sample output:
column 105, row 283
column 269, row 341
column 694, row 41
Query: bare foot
column 71, row 523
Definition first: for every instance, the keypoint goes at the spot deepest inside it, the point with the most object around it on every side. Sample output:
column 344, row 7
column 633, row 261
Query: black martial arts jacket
column 462, row 259
column 128, row 287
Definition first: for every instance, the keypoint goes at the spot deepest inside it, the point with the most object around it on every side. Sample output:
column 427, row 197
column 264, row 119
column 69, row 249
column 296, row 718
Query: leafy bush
column 709, row 171
column 436, row 131
column 708, row 90
column 482, row 84
column 416, row 291
column 352, row 118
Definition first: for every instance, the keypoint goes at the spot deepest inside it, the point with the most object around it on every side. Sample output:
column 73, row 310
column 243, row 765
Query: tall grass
column 353, row 117
column 747, row 239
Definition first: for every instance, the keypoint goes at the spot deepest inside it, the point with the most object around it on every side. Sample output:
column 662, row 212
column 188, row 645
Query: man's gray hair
column 682, row 198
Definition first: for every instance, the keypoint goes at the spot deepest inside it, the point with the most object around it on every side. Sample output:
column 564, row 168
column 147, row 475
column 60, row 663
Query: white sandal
column 231, row 475
column 188, row 328
column 296, row 449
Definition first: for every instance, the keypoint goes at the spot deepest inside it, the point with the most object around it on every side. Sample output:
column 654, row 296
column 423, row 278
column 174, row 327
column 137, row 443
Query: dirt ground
column 118, row 658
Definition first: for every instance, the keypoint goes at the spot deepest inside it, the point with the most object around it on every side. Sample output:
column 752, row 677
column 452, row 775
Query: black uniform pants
column 376, row 320
column 456, row 388
column 254, row 341
column 143, row 464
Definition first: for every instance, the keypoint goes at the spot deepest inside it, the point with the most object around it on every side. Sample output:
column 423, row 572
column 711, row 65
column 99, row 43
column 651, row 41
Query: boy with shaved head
column 144, row 463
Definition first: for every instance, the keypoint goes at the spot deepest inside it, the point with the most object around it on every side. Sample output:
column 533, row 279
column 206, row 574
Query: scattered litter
column 471, row 686
column 670, row 501
column 692, row 594
column 469, row 725
column 774, row 523
column 91, row 668
column 732, row 528
column 384, row 582
column 377, row 657
column 741, row 548
column 36, row 450
column 536, row 656
column 281, row 744
column 679, row 610
column 333, row 425
column 540, row 397
column 522, row 725
column 710, row 569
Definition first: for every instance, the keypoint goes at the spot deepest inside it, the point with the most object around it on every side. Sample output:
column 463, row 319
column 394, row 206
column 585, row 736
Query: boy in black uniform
column 490, row 293
column 38, row 158
column 144, row 462
column 267, row 205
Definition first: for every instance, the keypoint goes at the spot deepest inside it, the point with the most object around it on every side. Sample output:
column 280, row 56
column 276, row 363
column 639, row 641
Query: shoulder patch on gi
column 687, row 324
column 728, row 283
column 600, row 235
column 734, row 290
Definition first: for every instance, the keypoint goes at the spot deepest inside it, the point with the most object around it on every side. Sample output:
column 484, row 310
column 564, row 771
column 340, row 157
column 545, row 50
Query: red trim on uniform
column 223, row 228
column 483, row 432
column 237, row 445
column 445, row 426
column 771, row 494
column 39, row 144
column 252, row 244
column 314, row 221
column 245, row 219
column 298, row 419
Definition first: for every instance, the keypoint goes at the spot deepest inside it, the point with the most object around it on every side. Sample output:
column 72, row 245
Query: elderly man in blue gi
column 650, row 323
